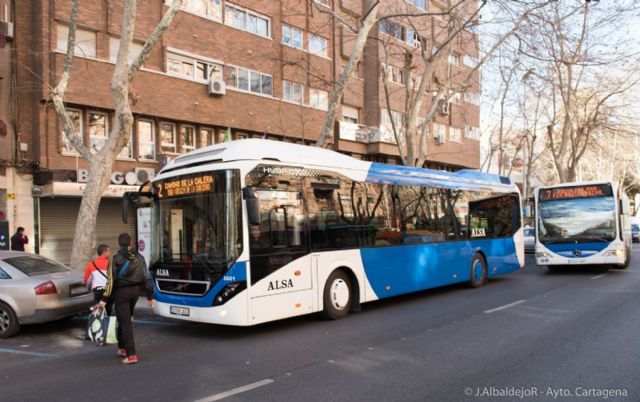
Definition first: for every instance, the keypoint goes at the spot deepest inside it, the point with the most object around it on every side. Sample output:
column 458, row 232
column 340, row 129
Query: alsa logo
column 162, row 272
column 282, row 284
column 477, row 232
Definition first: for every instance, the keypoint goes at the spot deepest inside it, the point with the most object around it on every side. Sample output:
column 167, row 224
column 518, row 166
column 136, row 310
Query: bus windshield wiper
column 594, row 238
column 557, row 240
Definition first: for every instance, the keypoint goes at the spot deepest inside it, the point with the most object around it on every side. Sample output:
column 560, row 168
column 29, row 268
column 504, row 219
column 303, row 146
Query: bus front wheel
column 337, row 296
column 478, row 271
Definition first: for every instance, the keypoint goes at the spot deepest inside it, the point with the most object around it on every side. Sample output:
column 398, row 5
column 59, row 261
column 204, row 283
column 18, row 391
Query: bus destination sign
column 185, row 186
column 563, row 193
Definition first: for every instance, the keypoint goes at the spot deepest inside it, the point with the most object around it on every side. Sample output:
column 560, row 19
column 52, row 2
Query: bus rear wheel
column 337, row 296
column 478, row 271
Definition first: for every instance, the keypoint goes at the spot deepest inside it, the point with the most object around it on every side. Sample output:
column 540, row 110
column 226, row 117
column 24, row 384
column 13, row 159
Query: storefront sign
column 144, row 232
column 128, row 178
column 4, row 235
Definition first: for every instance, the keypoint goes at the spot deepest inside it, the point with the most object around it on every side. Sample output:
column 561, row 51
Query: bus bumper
column 234, row 312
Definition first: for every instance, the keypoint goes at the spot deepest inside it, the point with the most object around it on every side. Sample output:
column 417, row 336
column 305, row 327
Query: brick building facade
column 251, row 68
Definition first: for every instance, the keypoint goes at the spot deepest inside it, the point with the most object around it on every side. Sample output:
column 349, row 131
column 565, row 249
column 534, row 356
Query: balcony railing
column 364, row 134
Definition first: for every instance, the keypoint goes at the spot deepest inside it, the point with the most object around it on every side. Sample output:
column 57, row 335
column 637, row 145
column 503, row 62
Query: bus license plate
column 178, row 310
column 574, row 261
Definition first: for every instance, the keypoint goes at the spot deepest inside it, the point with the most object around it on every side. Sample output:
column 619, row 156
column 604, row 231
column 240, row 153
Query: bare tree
column 101, row 163
column 577, row 48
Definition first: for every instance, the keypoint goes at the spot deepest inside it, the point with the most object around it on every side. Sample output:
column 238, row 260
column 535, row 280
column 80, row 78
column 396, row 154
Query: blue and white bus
column 252, row 231
column 582, row 224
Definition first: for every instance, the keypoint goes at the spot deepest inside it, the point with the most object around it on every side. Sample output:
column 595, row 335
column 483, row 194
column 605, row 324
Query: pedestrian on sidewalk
column 19, row 239
column 95, row 274
column 126, row 276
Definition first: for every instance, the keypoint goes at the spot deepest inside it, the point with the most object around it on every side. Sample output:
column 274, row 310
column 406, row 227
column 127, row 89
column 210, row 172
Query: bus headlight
column 543, row 255
column 616, row 252
column 228, row 292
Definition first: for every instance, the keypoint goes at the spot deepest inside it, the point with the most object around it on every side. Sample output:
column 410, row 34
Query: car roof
column 10, row 254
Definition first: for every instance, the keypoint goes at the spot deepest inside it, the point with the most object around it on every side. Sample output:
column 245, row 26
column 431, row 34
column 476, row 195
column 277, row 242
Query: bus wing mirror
column 132, row 197
column 253, row 206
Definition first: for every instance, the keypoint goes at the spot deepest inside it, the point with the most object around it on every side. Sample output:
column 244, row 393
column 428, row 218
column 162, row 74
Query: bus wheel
column 478, row 271
column 337, row 296
column 8, row 322
column 627, row 259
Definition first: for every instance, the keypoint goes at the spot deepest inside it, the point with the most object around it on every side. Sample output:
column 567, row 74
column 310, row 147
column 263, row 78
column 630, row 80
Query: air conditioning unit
column 144, row 174
column 216, row 88
column 440, row 138
column 6, row 29
column 443, row 107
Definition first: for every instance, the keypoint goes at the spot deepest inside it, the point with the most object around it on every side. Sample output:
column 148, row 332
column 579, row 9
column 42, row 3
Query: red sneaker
column 130, row 360
column 122, row 352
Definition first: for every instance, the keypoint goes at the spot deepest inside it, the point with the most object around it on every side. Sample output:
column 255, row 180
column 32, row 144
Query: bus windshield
column 577, row 220
column 197, row 224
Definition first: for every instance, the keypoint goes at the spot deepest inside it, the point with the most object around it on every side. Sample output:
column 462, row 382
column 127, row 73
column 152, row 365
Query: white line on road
column 25, row 352
column 598, row 276
column 506, row 306
column 235, row 391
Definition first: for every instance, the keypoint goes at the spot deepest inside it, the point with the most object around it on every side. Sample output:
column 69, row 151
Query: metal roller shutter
column 58, row 223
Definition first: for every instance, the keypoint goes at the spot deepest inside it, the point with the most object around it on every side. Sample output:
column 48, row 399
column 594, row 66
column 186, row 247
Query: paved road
column 568, row 336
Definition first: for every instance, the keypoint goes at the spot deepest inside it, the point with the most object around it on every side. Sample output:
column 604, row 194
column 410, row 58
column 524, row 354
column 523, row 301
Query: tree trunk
column 338, row 88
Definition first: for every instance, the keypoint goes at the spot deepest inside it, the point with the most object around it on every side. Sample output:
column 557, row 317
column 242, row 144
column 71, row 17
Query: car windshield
column 198, row 223
column 579, row 219
column 33, row 265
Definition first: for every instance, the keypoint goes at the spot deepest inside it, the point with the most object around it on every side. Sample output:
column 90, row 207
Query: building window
column 97, row 131
column 350, row 114
column 454, row 59
column 246, row 20
column 292, row 92
column 472, row 132
column 211, row 9
column 85, row 45
column 455, row 134
column 318, row 99
column 419, row 3
column 242, row 136
column 188, row 138
column 473, row 98
column 456, row 98
column 249, row 80
column 292, row 36
column 76, row 121
column 146, row 140
column 114, row 45
column 386, row 122
column 317, row 45
column 193, row 68
column 168, row 138
column 206, row 137
column 393, row 73
column 392, row 28
column 440, row 131
column 127, row 151
column 469, row 61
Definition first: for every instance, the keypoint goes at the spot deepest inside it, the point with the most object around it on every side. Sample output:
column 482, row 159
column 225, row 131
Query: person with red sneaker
column 127, row 275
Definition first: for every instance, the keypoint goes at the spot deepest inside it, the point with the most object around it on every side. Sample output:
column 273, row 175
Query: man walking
column 126, row 276
column 95, row 274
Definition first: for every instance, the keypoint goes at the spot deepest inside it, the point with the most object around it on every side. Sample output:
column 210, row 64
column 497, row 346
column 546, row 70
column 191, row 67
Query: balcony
column 366, row 135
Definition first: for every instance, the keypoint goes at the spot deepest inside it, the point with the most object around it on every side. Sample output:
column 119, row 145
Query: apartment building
column 235, row 69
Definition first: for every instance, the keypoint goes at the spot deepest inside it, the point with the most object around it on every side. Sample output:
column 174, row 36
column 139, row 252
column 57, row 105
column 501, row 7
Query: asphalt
column 531, row 335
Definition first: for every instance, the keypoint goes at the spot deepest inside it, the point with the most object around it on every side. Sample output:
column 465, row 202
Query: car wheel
column 9, row 325
column 478, row 271
column 337, row 296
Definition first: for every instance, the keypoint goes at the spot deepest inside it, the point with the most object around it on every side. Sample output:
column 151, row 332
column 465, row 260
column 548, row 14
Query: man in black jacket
column 127, row 274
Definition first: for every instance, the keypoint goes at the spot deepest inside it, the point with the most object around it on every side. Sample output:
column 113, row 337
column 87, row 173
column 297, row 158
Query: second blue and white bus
column 252, row 231
column 582, row 224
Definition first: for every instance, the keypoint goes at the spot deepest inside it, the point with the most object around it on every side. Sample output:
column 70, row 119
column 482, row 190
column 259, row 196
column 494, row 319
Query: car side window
column 4, row 275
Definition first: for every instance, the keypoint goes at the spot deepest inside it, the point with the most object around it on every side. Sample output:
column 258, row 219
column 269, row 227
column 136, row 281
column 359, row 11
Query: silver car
column 35, row 289
column 529, row 240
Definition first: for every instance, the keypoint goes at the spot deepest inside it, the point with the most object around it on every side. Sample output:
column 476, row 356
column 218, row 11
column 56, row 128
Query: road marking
column 235, row 391
column 506, row 306
column 598, row 276
column 26, row 352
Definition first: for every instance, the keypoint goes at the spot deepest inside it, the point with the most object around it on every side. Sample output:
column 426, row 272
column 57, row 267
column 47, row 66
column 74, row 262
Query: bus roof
column 320, row 158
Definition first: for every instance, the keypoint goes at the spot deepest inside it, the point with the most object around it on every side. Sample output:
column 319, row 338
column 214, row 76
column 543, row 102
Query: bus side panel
column 501, row 255
column 398, row 270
